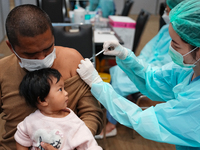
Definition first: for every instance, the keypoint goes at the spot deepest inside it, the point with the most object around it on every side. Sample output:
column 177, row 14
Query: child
column 52, row 122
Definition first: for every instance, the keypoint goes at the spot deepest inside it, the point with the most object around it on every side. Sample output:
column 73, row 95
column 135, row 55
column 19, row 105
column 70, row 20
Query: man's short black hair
column 37, row 84
column 26, row 20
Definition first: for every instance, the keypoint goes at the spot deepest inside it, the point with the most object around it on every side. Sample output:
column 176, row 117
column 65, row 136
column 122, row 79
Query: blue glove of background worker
column 88, row 73
column 115, row 49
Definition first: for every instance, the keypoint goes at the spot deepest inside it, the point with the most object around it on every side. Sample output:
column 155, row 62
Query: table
column 102, row 35
column 99, row 38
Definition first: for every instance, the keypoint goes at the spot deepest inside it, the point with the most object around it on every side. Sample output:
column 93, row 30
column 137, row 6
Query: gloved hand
column 114, row 48
column 88, row 73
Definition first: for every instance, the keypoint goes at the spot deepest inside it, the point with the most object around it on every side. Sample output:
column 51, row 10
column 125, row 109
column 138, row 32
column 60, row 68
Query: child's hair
column 36, row 84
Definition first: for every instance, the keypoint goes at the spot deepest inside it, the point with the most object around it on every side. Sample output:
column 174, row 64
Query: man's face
column 37, row 47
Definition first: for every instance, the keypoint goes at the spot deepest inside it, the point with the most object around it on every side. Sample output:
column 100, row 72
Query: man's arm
column 90, row 112
column 82, row 102
column 0, row 102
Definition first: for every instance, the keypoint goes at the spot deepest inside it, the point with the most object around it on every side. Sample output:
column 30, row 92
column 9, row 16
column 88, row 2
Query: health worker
column 177, row 84
column 106, row 6
column 155, row 52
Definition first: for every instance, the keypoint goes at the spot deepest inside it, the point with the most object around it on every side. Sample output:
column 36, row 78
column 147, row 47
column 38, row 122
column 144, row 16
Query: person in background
column 162, row 11
column 155, row 53
column 82, row 4
column 176, row 120
column 107, row 7
column 30, row 38
column 54, row 122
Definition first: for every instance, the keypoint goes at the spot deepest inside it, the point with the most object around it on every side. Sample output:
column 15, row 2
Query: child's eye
column 60, row 89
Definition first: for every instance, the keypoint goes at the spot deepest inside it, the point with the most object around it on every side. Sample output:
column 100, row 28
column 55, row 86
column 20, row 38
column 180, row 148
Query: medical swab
column 110, row 48
column 97, row 54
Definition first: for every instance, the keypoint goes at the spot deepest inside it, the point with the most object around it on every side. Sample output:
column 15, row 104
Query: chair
column 58, row 10
column 140, row 25
column 127, row 7
column 82, row 40
column 161, row 12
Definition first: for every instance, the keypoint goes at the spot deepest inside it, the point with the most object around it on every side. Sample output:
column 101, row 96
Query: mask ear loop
column 196, row 61
column 15, row 52
column 190, row 51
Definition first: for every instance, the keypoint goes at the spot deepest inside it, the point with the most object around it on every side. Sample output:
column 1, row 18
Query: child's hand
column 47, row 146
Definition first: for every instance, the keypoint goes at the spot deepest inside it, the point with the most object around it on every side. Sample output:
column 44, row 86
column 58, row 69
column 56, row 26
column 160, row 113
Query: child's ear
column 42, row 103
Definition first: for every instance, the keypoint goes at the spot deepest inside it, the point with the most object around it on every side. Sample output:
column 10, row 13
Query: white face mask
column 36, row 64
column 166, row 17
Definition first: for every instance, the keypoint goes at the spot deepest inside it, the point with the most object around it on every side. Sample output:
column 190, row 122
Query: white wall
column 4, row 10
column 20, row 2
column 119, row 6
column 1, row 24
column 152, row 6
